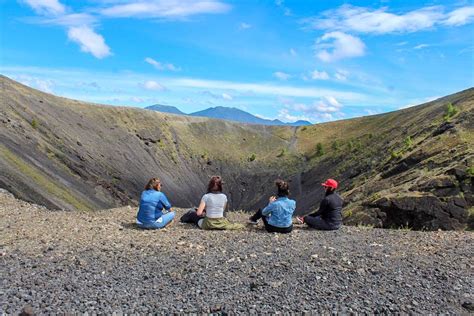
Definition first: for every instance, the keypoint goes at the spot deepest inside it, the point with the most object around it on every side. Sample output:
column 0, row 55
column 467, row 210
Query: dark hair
column 152, row 184
column 283, row 188
column 215, row 184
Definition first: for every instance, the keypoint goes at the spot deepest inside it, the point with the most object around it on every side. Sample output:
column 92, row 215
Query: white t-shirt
column 215, row 203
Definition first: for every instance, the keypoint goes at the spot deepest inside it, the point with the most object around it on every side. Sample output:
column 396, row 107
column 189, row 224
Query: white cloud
column 319, row 75
column 332, row 101
column 265, row 89
column 161, row 66
column 348, row 18
column 342, row 46
column 73, row 19
column 341, row 75
column 89, row 41
column 281, row 75
column 421, row 46
column 371, row 112
column 460, row 16
column 44, row 85
column 170, row 9
column 53, row 7
column 137, row 99
column 293, row 52
column 244, row 26
column 153, row 85
column 226, row 96
column 285, row 116
column 418, row 102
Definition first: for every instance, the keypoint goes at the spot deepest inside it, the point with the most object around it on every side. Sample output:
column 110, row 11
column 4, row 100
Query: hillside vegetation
column 407, row 168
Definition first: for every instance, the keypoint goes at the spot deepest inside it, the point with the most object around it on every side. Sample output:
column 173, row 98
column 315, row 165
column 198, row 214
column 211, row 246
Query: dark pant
column 190, row 217
column 318, row 223
column 268, row 227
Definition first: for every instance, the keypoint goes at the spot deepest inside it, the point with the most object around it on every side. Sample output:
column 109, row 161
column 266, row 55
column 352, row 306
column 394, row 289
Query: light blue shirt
column 279, row 212
column 151, row 208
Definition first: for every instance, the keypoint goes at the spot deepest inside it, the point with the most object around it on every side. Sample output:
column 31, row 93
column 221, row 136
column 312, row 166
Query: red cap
column 331, row 183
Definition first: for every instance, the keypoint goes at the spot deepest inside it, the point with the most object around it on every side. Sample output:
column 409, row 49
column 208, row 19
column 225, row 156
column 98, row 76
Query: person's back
column 281, row 212
column 215, row 204
column 329, row 215
column 152, row 203
column 277, row 215
column 333, row 209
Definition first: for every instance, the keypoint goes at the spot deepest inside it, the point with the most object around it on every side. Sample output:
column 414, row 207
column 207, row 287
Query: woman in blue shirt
column 277, row 215
column 152, row 203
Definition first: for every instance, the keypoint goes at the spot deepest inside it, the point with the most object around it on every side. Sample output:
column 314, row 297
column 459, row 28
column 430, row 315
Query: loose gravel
column 99, row 262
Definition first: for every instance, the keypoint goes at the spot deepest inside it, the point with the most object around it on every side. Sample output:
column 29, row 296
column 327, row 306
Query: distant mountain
column 225, row 113
column 165, row 109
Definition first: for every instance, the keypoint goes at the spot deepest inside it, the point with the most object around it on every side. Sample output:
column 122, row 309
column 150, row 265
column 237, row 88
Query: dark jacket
column 330, row 209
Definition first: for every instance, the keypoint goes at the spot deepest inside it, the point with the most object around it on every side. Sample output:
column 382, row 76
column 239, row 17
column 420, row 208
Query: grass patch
column 59, row 192
column 34, row 123
column 450, row 112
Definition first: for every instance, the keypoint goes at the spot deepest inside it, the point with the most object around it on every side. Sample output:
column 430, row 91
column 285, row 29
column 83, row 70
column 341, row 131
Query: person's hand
column 272, row 199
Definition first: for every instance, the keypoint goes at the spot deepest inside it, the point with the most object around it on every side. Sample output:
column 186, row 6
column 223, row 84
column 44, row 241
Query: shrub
column 34, row 123
column 450, row 111
column 395, row 154
column 408, row 142
column 470, row 171
column 319, row 150
column 335, row 145
column 252, row 157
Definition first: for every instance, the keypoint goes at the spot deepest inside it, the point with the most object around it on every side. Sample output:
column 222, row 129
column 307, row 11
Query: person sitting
column 212, row 205
column 152, row 203
column 277, row 215
column 329, row 216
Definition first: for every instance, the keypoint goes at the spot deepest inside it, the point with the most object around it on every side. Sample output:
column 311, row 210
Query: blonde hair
column 152, row 184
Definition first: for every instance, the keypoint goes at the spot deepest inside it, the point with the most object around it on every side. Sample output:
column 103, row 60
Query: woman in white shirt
column 213, row 204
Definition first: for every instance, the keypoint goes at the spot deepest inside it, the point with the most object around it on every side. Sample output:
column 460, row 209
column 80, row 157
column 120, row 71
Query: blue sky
column 313, row 60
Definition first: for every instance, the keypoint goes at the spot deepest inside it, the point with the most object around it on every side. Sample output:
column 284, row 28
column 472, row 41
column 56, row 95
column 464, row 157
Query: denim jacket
column 279, row 212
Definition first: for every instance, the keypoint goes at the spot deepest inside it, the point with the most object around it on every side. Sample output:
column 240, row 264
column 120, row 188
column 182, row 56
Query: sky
column 278, row 59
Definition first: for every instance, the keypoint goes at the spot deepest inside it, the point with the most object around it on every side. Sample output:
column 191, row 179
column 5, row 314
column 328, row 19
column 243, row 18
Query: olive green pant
column 221, row 223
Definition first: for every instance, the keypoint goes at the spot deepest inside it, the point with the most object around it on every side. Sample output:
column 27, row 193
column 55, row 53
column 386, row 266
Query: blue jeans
column 161, row 222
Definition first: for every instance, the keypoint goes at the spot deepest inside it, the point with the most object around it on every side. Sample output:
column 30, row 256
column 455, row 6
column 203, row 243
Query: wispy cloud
column 222, row 96
column 337, row 45
column 164, row 8
column 161, row 66
column 341, row 75
column 460, row 16
column 421, row 46
column 348, row 18
column 244, row 26
column 153, row 85
column 45, row 85
column 51, row 7
column 281, row 75
column 319, row 75
column 89, row 41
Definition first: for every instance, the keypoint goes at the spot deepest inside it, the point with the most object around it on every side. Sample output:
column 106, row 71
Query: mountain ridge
column 226, row 113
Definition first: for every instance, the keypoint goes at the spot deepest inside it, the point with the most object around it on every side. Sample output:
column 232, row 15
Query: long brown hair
column 283, row 188
column 153, row 184
column 215, row 184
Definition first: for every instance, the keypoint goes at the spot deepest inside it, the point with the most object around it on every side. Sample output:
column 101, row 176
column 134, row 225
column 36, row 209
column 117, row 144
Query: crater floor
column 60, row 261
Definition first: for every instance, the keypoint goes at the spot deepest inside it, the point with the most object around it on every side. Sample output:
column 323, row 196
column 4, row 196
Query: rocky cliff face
column 406, row 168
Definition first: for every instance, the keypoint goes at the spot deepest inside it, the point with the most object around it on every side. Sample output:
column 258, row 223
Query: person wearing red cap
column 329, row 216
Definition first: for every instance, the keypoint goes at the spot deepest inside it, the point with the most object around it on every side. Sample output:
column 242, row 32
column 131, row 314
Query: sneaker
column 251, row 221
column 300, row 219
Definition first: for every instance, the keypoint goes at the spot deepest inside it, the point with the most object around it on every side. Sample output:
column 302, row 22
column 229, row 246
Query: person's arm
column 164, row 201
column 201, row 208
column 320, row 211
column 270, row 207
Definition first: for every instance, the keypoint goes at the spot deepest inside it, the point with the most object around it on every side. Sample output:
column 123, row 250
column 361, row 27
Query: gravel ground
column 62, row 262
